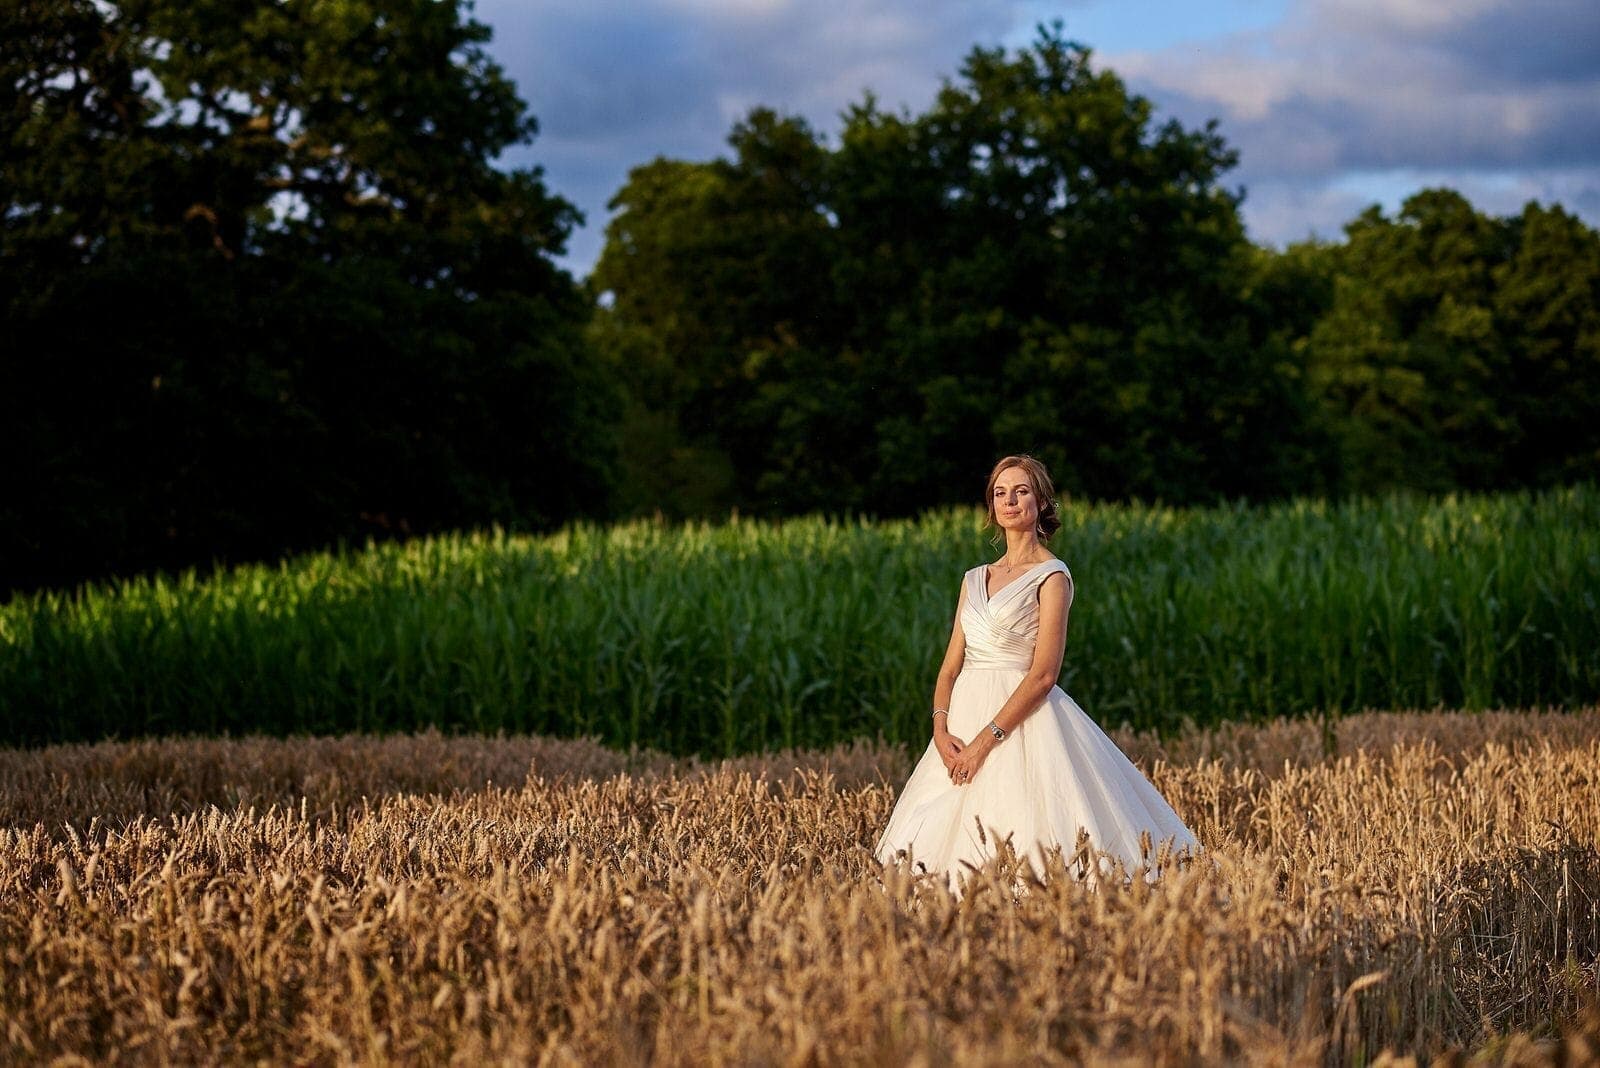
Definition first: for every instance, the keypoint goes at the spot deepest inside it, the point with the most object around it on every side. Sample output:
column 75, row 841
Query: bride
column 1012, row 755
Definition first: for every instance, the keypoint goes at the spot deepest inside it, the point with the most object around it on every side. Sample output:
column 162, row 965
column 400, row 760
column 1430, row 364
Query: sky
column 1333, row 105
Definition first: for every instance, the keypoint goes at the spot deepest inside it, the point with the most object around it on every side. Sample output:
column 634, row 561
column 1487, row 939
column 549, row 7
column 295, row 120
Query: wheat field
column 1408, row 887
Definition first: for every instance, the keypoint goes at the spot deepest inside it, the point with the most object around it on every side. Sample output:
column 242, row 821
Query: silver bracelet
column 936, row 711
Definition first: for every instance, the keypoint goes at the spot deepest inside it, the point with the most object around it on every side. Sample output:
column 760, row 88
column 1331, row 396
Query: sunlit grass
column 733, row 637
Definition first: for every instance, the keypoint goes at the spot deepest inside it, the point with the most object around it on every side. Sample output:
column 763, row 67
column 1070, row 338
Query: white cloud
column 1340, row 103
column 742, row 10
column 1346, row 103
column 614, row 85
column 1422, row 16
column 1393, row 83
column 1278, row 211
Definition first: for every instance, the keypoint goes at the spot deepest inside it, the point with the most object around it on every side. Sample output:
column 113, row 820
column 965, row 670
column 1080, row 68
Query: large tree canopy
column 1030, row 264
column 1457, row 350
column 1034, row 264
column 262, row 287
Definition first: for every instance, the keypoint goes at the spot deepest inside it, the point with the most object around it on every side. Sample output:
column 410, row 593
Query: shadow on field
column 157, row 778
column 1526, row 927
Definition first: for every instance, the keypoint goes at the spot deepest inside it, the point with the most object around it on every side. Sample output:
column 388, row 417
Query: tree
column 1546, row 306
column 314, row 308
column 1027, row 265
column 1459, row 351
column 717, row 280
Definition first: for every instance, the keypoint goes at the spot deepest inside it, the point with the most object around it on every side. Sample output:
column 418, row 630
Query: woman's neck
column 1022, row 547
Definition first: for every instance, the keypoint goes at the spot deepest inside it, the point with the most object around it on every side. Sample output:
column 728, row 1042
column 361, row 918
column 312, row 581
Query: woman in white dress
column 1011, row 751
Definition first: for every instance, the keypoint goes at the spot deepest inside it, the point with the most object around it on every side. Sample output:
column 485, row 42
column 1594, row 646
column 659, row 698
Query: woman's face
column 1014, row 505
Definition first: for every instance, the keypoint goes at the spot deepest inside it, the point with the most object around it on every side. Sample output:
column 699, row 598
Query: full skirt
column 1057, row 773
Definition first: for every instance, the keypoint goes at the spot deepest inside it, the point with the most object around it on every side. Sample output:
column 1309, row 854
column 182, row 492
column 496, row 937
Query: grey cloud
column 1485, row 97
column 615, row 85
column 1501, row 42
column 1303, row 134
column 1281, row 210
column 1278, row 212
column 1534, row 44
column 588, row 75
column 1371, row 84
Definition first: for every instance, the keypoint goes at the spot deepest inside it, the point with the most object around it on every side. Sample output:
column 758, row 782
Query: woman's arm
column 955, row 654
column 1055, row 600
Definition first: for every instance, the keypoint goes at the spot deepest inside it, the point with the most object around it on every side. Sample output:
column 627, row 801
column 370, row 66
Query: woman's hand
column 970, row 758
column 949, row 746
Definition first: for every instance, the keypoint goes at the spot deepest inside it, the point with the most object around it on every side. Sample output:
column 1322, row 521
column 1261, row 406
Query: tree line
column 263, row 290
column 1033, row 264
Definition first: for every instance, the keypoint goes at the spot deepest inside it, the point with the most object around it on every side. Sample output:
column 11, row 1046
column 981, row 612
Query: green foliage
column 743, row 636
column 262, row 288
column 1546, row 305
column 1459, row 350
column 1033, row 265
column 717, row 275
column 1029, row 264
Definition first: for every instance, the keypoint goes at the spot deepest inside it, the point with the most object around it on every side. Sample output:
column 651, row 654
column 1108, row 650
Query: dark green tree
column 1406, row 355
column 1028, row 265
column 717, row 277
column 262, row 288
column 1547, row 307
column 1459, row 350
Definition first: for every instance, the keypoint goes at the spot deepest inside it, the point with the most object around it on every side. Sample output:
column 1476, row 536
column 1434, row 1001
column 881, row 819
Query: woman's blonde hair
column 1043, row 490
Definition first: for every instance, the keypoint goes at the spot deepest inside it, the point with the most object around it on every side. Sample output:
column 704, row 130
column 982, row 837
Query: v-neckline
column 988, row 598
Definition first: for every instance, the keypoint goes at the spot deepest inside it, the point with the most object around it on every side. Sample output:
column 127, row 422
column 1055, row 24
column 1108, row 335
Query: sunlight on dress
column 1057, row 773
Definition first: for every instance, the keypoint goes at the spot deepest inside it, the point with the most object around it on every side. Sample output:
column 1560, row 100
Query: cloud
column 1393, row 83
column 1338, row 104
column 1281, row 212
column 1515, row 43
column 615, row 85
column 1347, row 98
column 1278, row 211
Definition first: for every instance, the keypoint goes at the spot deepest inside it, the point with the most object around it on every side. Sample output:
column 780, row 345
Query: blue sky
column 1332, row 104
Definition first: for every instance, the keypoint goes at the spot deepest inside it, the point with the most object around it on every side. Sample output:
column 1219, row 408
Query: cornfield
column 751, row 636
column 1428, row 882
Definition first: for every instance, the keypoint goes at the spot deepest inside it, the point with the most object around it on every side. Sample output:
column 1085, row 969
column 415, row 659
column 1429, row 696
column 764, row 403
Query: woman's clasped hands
column 963, row 759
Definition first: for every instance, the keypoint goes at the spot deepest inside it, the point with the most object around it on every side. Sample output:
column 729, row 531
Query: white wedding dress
column 1055, row 773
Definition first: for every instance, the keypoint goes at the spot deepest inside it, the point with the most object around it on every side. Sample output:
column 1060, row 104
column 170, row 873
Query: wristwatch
column 998, row 731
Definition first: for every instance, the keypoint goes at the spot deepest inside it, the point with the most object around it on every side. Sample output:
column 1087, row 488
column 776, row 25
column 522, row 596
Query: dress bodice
column 1000, row 631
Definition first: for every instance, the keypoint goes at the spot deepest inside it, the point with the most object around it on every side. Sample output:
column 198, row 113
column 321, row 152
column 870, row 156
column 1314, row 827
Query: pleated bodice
column 1000, row 633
